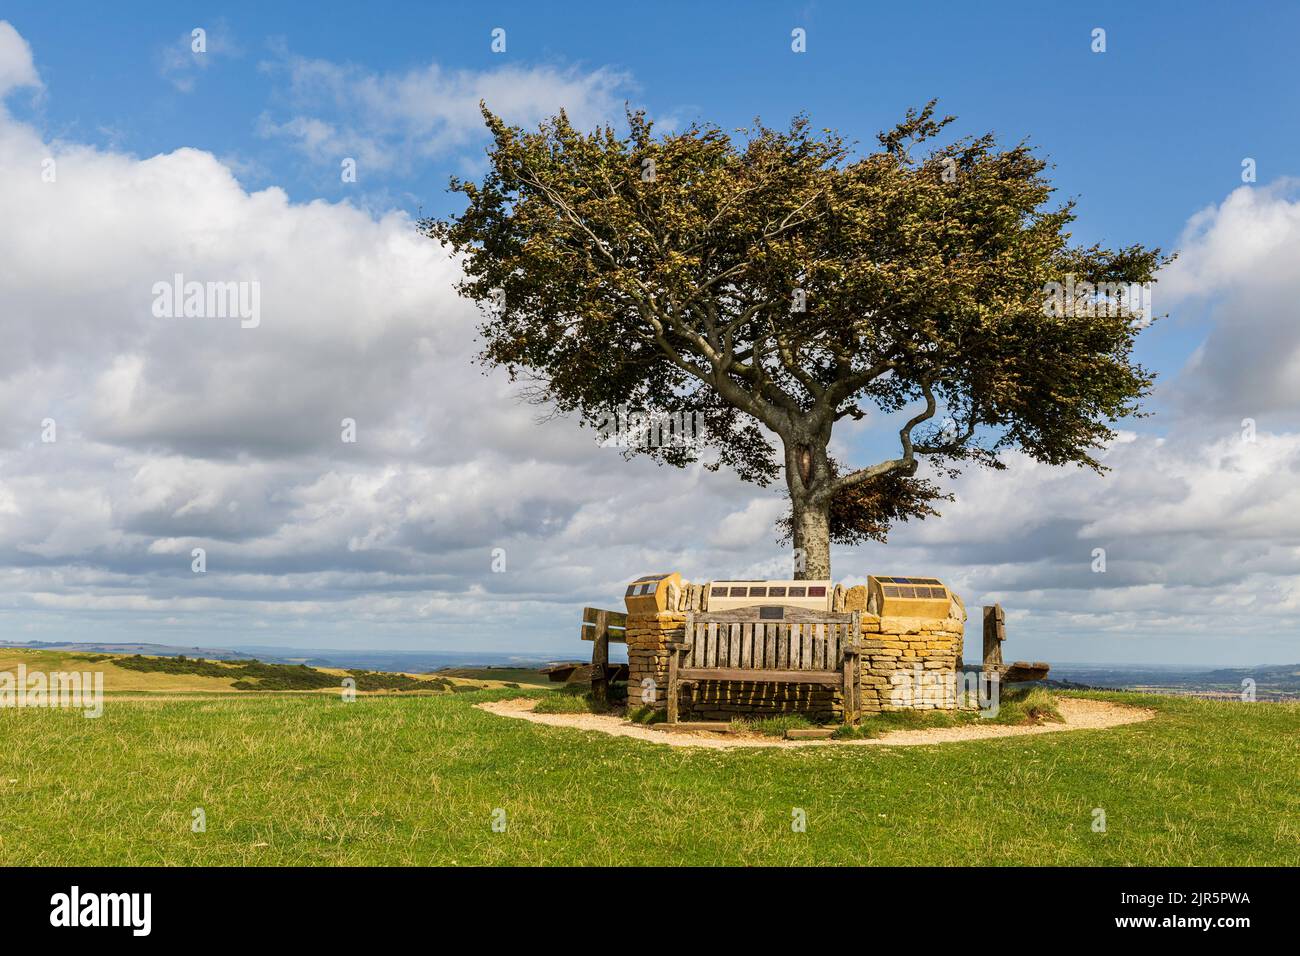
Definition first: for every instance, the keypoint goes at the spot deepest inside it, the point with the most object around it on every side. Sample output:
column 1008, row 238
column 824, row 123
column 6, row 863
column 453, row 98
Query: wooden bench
column 768, row 644
column 601, row 627
column 995, row 632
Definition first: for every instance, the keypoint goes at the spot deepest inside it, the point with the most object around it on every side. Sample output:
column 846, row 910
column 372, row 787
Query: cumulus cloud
column 183, row 433
column 17, row 68
column 1199, row 517
column 388, row 120
column 1239, row 258
column 176, row 433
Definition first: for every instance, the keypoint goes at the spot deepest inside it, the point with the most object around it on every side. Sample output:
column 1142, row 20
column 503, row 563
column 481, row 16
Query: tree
column 776, row 284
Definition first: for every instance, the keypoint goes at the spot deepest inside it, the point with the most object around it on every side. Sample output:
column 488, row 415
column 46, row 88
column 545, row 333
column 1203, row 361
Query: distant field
column 416, row 779
column 122, row 674
column 116, row 679
column 517, row 675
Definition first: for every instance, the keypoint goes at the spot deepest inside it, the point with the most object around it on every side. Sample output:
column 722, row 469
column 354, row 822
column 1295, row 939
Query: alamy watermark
column 1076, row 299
column 641, row 428
column 75, row 690
column 209, row 300
column 76, row 908
column 946, row 690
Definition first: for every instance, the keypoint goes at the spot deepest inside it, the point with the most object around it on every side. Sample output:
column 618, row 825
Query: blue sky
column 1147, row 135
column 1142, row 135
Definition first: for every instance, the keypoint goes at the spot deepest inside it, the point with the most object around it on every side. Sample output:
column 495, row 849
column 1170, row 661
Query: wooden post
column 849, row 650
column 600, row 660
column 672, row 685
column 995, row 632
column 675, row 652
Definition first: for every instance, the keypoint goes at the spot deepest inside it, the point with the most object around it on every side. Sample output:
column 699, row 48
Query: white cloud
column 1240, row 257
column 389, row 120
column 17, row 68
column 182, row 433
column 183, row 60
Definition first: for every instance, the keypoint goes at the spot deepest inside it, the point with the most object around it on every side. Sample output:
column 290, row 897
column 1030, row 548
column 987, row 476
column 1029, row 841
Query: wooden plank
column 850, row 707
column 711, row 645
column 688, row 636
column 614, row 636
column 1024, row 671
column 832, row 678
column 615, row 625
column 733, row 648
column 674, row 665
column 995, row 632
column 714, row 726
column 600, row 660
column 747, row 644
column 560, row 672
column 809, row 733
column 788, row 635
column 853, row 654
column 792, row 615
column 674, row 675
column 616, row 618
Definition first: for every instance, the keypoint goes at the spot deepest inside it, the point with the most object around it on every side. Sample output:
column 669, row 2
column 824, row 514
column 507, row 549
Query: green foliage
column 776, row 282
column 1030, row 705
column 256, row 675
column 771, row 726
column 645, row 714
column 866, row 511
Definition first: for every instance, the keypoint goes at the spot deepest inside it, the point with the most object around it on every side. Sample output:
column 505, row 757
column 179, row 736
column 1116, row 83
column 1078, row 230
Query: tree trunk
column 812, row 540
column 807, row 473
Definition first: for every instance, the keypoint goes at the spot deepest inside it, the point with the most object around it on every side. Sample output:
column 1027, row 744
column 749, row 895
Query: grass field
column 125, row 678
column 391, row 779
column 529, row 676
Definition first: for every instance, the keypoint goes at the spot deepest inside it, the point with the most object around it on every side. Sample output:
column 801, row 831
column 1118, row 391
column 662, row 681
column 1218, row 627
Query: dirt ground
column 1079, row 714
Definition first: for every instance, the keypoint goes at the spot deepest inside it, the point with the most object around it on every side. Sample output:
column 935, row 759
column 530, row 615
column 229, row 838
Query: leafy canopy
column 776, row 283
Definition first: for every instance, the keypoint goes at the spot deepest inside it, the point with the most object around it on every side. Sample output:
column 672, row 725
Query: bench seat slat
column 760, row 676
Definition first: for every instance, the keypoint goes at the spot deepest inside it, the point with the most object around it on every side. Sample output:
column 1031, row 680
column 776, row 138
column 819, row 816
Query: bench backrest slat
column 737, row 641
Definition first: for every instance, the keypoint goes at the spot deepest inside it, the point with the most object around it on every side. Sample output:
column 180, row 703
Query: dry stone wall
column 910, row 663
column 647, row 655
column 905, row 663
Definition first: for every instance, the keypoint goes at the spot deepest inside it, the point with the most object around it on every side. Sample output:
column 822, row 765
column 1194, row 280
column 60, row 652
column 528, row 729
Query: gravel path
column 1079, row 714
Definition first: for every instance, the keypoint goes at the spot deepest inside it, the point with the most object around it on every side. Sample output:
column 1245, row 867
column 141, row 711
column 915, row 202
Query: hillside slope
column 392, row 779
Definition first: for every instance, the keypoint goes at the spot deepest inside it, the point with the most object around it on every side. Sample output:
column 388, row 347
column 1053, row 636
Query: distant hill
column 152, row 650
column 397, row 661
column 174, row 674
column 1273, row 682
